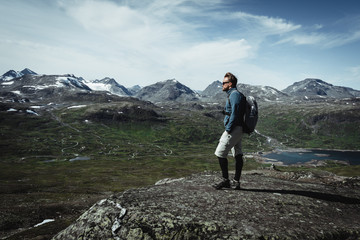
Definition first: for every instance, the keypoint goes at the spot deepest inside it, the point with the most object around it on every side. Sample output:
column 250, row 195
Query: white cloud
column 266, row 25
column 142, row 42
column 335, row 34
column 304, row 39
column 323, row 40
column 119, row 23
column 154, row 48
column 222, row 52
column 201, row 64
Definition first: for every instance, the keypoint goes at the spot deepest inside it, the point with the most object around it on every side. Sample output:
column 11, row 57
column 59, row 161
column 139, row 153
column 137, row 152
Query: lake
column 296, row 157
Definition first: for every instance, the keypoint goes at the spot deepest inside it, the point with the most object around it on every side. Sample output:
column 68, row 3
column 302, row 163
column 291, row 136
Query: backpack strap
column 242, row 106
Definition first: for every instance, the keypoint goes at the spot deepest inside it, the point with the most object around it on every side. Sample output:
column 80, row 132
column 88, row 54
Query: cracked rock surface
column 271, row 205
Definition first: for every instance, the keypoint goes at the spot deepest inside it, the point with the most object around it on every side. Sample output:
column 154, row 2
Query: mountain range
column 27, row 84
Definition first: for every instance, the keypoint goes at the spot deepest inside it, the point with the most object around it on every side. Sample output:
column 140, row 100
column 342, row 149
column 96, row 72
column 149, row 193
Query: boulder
column 270, row 205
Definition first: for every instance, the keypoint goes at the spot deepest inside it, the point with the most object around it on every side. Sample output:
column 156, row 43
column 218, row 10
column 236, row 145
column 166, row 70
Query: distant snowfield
column 7, row 83
column 78, row 106
column 69, row 81
column 40, row 87
column 16, row 92
column 98, row 86
column 44, row 222
column 32, row 112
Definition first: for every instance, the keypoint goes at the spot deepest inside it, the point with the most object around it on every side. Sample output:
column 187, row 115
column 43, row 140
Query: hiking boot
column 237, row 184
column 224, row 184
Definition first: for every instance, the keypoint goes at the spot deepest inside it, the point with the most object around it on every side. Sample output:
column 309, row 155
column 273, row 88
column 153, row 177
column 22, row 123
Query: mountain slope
column 311, row 87
column 169, row 90
column 9, row 75
column 37, row 87
column 110, row 85
column 264, row 93
column 134, row 89
column 213, row 89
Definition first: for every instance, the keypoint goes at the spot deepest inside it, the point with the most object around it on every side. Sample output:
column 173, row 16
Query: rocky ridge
column 271, row 205
column 317, row 87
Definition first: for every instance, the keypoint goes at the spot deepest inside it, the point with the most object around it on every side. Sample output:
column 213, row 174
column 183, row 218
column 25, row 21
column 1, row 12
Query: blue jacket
column 233, row 111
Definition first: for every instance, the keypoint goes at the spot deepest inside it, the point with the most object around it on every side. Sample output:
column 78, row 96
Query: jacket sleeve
column 234, row 119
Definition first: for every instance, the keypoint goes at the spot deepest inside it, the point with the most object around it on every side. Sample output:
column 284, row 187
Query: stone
column 271, row 205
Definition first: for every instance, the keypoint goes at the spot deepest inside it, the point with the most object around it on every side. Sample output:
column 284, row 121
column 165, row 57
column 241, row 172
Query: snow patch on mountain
column 77, row 106
column 7, row 83
column 67, row 81
column 109, row 85
column 96, row 86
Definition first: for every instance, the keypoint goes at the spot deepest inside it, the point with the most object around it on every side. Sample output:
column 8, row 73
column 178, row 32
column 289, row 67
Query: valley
column 39, row 181
column 65, row 148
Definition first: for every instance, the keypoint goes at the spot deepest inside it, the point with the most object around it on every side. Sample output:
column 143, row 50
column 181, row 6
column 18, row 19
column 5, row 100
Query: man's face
column 226, row 84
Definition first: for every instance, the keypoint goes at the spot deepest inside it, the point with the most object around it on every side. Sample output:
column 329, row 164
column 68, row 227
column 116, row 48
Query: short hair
column 231, row 78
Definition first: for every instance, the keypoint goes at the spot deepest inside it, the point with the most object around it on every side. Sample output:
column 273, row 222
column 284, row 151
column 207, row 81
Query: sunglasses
column 225, row 83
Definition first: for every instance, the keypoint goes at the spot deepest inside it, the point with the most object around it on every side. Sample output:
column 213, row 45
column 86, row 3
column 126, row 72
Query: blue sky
column 273, row 43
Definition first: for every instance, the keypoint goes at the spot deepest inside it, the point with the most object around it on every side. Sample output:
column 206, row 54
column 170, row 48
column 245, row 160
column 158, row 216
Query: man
column 232, row 136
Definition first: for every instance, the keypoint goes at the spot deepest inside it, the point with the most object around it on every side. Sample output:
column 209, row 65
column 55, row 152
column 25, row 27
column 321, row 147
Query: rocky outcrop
column 271, row 205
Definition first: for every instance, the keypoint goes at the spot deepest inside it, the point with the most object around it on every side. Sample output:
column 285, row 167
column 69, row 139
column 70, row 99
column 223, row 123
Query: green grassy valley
column 329, row 125
column 131, row 144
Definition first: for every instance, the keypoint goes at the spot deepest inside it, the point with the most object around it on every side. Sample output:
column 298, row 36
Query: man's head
column 229, row 81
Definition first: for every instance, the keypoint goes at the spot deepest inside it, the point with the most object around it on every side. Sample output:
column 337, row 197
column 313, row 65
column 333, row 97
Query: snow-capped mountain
column 168, row 90
column 35, row 87
column 29, row 85
column 110, row 85
column 9, row 75
column 312, row 87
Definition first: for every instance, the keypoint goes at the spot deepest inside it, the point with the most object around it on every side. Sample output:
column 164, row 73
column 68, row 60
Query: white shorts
column 230, row 141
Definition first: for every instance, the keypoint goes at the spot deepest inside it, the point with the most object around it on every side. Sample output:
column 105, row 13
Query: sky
column 140, row 42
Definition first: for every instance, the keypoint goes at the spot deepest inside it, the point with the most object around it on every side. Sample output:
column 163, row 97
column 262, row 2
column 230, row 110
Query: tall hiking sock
column 224, row 167
column 238, row 166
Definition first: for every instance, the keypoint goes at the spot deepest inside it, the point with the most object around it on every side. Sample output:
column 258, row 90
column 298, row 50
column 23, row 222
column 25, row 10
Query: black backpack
column 251, row 113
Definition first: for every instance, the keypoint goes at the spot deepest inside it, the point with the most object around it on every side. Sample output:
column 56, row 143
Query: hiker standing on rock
column 232, row 136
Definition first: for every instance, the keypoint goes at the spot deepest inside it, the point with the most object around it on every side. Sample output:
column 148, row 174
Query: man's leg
column 238, row 155
column 228, row 141
column 239, row 162
column 224, row 167
column 225, row 183
column 221, row 152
